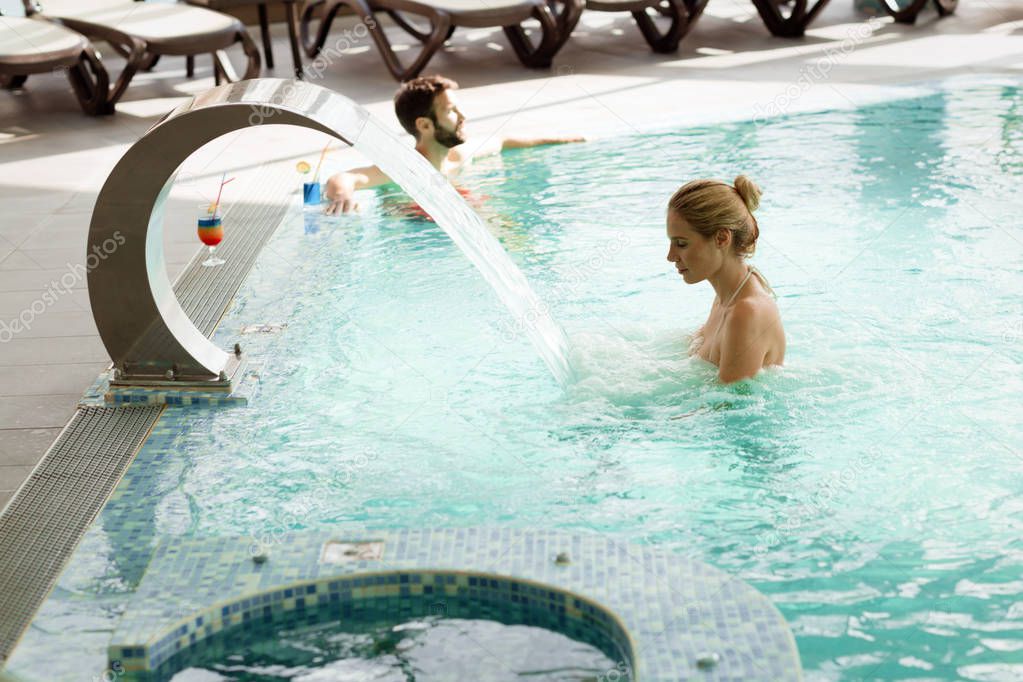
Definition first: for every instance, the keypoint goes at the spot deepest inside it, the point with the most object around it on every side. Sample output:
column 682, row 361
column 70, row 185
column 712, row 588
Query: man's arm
column 498, row 145
column 519, row 143
column 341, row 187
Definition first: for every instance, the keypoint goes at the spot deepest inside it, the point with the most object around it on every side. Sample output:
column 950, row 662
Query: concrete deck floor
column 53, row 159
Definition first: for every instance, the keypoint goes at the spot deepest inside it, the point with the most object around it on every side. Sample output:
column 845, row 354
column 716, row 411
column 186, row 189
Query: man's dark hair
column 415, row 99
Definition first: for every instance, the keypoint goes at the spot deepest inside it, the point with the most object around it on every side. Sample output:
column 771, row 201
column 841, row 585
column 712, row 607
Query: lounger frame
column 908, row 14
column 793, row 24
column 682, row 13
column 85, row 71
column 291, row 10
column 555, row 28
column 142, row 54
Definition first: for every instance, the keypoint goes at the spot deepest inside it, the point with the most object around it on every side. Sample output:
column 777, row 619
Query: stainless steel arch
column 137, row 313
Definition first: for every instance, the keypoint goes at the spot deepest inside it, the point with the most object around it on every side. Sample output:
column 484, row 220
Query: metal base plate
column 222, row 383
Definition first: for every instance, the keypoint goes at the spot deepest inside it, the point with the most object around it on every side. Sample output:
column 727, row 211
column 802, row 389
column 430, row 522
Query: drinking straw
column 216, row 204
column 316, row 175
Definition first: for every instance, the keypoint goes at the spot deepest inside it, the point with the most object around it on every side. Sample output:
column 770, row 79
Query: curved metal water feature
column 148, row 335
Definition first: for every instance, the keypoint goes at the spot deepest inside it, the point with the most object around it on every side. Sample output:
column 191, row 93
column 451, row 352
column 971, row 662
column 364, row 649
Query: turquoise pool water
column 871, row 487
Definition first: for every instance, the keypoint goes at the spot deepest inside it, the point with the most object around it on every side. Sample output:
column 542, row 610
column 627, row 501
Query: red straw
column 216, row 204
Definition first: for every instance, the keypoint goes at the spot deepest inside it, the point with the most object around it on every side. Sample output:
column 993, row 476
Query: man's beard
column 448, row 138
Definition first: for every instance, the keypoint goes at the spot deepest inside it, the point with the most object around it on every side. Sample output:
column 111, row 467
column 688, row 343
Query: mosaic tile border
column 478, row 595
column 100, row 393
column 441, row 599
column 666, row 615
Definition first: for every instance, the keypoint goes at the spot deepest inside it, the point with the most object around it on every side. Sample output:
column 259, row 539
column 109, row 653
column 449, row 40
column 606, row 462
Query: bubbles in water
column 636, row 366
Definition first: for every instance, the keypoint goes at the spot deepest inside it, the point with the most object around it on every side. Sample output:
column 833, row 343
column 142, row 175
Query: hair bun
column 748, row 191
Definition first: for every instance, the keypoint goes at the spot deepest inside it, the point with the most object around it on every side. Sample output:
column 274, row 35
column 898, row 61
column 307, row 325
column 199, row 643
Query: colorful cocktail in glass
column 211, row 233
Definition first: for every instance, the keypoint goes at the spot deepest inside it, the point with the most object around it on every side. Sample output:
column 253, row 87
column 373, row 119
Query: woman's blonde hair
column 710, row 205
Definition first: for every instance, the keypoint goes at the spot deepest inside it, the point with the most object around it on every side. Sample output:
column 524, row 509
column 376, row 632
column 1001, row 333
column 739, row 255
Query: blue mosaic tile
column 659, row 615
column 100, row 393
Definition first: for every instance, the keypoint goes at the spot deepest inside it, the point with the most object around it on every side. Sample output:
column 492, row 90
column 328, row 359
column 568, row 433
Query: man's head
column 426, row 109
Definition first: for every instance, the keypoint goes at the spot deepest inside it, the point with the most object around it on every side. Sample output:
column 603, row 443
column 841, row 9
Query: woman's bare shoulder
column 753, row 313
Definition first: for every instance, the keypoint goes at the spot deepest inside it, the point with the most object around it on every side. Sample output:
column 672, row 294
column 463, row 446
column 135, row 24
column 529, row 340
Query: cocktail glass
column 211, row 232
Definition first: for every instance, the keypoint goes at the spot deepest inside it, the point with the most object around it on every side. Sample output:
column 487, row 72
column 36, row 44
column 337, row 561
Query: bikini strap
column 763, row 280
column 731, row 299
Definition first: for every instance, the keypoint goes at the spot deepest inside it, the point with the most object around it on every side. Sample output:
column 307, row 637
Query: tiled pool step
column 660, row 616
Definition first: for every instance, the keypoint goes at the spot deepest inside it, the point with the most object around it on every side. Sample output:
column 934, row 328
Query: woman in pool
column 712, row 232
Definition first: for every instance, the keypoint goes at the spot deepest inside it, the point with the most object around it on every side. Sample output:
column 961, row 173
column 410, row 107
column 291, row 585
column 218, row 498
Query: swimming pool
column 869, row 488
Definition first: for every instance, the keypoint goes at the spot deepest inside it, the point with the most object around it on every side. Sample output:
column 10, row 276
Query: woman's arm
column 744, row 341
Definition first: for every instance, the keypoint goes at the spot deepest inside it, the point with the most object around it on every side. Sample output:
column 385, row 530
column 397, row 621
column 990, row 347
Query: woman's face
column 695, row 256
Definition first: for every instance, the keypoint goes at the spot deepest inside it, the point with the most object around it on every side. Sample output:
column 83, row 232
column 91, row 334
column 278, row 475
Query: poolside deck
column 605, row 83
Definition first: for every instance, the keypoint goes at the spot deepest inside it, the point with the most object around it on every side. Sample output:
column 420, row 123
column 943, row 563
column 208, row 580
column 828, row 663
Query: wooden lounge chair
column 792, row 24
column 291, row 11
column 29, row 46
column 141, row 32
column 444, row 16
column 907, row 13
column 682, row 13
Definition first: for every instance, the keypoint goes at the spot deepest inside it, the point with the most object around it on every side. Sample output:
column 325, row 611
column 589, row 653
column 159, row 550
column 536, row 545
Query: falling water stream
column 436, row 196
